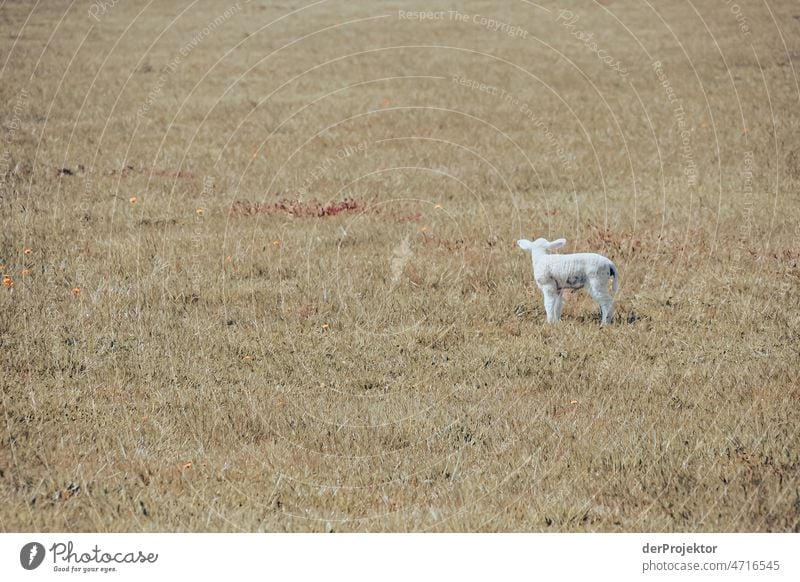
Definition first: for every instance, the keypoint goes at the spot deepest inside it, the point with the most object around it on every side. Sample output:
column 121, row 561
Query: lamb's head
column 540, row 245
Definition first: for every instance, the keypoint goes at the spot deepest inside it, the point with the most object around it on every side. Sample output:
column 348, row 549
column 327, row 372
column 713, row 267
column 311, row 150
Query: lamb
column 554, row 273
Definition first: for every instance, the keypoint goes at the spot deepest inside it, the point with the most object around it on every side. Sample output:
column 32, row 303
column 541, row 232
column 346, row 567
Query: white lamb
column 554, row 273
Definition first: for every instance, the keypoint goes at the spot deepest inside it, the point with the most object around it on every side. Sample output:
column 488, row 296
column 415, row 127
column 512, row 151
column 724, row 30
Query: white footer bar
column 371, row 557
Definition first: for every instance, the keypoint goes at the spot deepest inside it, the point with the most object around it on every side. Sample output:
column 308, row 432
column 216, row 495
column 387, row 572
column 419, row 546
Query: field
column 260, row 273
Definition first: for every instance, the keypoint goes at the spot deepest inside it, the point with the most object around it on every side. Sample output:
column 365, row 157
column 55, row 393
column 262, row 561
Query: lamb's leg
column 550, row 296
column 559, row 305
column 599, row 291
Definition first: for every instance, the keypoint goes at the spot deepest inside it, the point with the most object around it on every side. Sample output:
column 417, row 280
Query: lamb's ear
column 525, row 244
column 557, row 244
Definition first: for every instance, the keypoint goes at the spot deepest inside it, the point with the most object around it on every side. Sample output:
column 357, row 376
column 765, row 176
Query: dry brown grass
column 190, row 343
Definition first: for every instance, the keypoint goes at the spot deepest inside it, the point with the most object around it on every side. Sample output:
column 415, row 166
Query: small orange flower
column 325, row 326
column 26, row 272
column 573, row 401
column 28, row 251
column 8, row 282
column 200, row 211
column 247, row 358
column 76, row 291
column 133, row 200
column 276, row 243
column 187, row 465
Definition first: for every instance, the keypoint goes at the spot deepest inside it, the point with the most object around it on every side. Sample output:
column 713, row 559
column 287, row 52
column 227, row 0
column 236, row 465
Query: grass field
column 260, row 273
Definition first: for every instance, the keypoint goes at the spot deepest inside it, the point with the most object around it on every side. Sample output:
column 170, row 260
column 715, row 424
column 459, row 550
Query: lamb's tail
column 613, row 272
